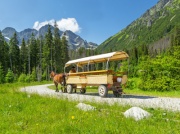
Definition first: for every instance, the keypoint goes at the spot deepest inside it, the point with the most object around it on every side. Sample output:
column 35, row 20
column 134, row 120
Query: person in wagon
column 73, row 70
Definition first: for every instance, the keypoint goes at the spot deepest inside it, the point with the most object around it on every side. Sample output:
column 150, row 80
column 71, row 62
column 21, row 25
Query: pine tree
column 39, row 66
column 9, row 76
column 1, row 75
column 177, row 37
column 1, row 48
column 4, row 57
column 49, row 42
column 24, row 57
column 14, row 54
column 47, row 53
column 33, row 52
column 33, row 75
column 64, row 48
column 57, row 51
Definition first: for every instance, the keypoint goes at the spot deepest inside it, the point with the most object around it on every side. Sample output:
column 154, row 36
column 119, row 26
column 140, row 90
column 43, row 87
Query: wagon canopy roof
column 113, row 56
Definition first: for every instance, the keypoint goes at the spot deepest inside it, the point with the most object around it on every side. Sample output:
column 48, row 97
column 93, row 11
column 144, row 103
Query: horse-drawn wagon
column 105, row 79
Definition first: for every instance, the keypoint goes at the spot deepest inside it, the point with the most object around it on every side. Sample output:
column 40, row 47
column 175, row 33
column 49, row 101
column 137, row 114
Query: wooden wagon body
column 104, row 79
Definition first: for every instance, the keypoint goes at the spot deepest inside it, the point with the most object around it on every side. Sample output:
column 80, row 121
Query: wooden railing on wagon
column 97, row 73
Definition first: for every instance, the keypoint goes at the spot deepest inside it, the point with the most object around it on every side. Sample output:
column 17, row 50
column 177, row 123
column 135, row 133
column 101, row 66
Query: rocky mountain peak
column 8, row 32
column 157, row 11
column 74, row 40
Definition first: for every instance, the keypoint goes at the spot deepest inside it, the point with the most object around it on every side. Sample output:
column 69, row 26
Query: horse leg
column 75, row 88
column 56, row 84
column 65, row 89
column 62, row 88
column 64, row 83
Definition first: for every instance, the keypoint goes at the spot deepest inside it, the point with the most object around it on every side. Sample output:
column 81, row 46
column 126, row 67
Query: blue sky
column 93, row 20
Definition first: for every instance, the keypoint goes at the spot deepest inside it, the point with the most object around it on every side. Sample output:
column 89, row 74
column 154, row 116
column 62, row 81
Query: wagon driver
column 73, row 70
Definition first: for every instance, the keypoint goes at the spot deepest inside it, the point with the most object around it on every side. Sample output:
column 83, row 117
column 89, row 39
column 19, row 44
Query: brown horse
column 59, row 78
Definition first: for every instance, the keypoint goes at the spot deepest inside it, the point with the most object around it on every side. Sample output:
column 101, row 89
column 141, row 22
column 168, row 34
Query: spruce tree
column 39, row 65
column 9, row 76
column 24, row 57
column 64, row 49
column 14, row 54
column 177, row 37
column 47, row 53
column 1, row 75
column 1, row 48
column 33, row 52
column 4, row 50
column 57, row 51
column 49, row 42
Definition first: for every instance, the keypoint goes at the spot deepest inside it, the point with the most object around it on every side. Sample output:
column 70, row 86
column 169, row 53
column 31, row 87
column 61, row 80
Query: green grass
column 174, row 94
column 135, row 82
column 23, row 113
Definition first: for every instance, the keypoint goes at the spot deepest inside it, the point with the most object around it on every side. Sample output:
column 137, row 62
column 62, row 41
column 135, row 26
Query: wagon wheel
column 83, row 90
column 103, row 91
column 69, row 89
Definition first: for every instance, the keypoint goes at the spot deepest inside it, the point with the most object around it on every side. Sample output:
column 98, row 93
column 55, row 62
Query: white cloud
column 63, row 24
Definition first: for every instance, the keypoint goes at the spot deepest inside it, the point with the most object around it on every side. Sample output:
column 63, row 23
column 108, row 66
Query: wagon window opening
column 107, row 64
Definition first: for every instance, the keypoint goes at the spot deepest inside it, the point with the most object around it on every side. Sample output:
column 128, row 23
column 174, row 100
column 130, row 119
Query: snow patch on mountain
column 7, row 38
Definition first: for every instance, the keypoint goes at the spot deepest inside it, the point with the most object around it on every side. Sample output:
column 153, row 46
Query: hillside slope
column 155, row 24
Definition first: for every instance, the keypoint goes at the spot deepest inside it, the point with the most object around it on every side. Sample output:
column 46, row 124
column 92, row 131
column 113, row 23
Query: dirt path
column 172, row 104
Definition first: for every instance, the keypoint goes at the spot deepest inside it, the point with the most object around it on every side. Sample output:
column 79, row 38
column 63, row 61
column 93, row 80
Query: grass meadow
column 24, row 113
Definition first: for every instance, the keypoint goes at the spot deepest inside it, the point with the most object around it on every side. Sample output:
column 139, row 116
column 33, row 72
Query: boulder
column 85, row 107
column 136, row 113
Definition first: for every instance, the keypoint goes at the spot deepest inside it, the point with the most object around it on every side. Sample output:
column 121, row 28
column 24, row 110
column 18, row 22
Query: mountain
column 154, row 26
column 8, row 33
column 74, row 40
column 26, row 34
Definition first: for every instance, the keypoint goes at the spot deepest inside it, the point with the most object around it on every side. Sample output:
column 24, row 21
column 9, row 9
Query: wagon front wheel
column 103, row 91
column 69, row 89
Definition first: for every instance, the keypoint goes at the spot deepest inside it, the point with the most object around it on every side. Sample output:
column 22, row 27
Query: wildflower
column 72, row 117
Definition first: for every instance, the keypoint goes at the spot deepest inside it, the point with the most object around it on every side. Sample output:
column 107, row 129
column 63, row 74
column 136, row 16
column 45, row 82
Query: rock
column 85, row 107
column 136, row 113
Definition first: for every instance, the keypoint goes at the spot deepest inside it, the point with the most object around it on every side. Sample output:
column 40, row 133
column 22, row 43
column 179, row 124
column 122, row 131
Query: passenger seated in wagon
column 73, row 70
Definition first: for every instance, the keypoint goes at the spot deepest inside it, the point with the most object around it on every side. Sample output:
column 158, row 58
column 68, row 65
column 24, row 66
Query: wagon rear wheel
column 103, row 91
column 69, row 89
column 83, row 90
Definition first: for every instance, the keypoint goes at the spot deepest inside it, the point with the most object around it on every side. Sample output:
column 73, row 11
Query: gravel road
column 172, row 104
